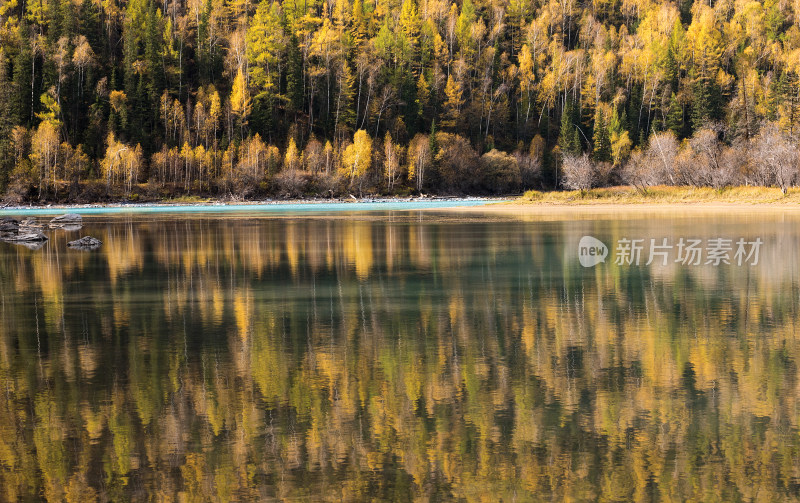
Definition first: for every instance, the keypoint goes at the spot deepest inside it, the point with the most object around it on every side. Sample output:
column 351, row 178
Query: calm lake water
column 404, row 355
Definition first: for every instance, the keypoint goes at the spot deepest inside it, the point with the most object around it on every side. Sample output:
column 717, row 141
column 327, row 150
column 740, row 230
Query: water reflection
column 396, row 357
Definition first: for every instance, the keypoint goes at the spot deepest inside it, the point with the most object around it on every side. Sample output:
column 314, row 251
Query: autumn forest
column 146, row 99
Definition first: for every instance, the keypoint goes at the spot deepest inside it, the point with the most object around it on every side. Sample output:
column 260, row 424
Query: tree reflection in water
column 395, row 356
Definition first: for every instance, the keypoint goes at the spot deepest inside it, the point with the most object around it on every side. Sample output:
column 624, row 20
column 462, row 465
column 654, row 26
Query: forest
column 238, row 99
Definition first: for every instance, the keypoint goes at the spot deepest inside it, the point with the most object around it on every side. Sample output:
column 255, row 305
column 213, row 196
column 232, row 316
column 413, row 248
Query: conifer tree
column 569, row 139
column 674, row 119
column 601, row 139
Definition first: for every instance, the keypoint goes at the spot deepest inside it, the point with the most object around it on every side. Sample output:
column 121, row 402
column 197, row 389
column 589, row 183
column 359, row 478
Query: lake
column 398, row 355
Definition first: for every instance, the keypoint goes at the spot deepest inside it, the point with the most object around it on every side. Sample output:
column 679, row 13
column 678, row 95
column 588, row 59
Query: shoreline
column 619, row 199
column 227, row 202
column 321, row 205
column 505, row 207
column 525, row 211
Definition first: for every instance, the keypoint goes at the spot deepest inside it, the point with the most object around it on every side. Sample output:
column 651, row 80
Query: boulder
column 70, row 221
column 85, row 243
column 8, row 225
column 30, row 223
column 15, row 232
column 26, row 236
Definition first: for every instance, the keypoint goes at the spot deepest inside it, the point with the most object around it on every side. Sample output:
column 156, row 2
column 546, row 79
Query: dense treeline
column 245, row 98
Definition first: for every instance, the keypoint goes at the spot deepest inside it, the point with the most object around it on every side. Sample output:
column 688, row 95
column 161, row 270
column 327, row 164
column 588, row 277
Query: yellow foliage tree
column 526, row 81
column 45, row 145
column 121, row 164
column 292, row 159
column 454, row 99
column 240, row 101
column 357, row 157
column 391, row 161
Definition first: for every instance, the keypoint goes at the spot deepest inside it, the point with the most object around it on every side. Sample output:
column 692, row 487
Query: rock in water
column 85, row 243
column 70, row 221
column 8, row 225
column 30, row 223
column 26, row 236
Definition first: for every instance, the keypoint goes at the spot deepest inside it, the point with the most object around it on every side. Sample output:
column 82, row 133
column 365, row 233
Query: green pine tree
column 25, row 84
column 601, row 138
column 294, row 74
column 674, row 119
column 576, row 141
column 701, row 102
column 569, row 139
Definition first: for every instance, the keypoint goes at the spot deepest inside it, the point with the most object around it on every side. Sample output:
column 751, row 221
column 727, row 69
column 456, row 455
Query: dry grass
column 663, row 195
column 188, row 199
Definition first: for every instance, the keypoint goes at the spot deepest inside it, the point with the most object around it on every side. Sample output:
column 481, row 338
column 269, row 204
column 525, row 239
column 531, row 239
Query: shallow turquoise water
column 270, row 208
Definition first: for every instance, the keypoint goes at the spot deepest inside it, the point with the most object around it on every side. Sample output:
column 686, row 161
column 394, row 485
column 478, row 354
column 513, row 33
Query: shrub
column 732, row 166
column 326, row 184
column 530, row 162
column 702, row 162
column 501, row 172
column 774, row 156
column 21, row 183
column 459, row 164
column 291, row 183
column 578, row 172
column 654, row 165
